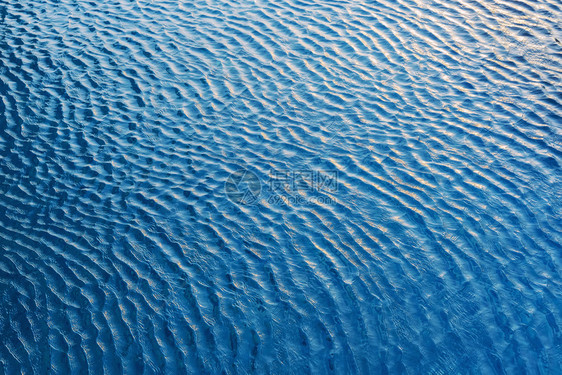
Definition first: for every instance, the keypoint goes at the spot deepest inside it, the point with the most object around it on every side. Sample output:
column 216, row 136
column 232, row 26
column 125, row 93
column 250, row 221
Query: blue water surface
column 288, row 187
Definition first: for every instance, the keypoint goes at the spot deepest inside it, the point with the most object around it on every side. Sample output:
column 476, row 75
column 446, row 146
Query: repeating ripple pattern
column 437, row 251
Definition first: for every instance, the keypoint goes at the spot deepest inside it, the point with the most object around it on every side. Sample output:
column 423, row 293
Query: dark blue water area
column 292, row 187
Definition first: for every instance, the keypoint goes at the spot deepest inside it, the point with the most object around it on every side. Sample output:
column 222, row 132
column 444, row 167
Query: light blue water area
column 289, row 187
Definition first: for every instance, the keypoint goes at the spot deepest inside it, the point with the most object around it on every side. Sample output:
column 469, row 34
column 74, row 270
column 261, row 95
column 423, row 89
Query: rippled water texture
column 130, row 129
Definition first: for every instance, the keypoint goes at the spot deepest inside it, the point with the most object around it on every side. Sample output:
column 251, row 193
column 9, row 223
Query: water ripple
column 318, row 187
